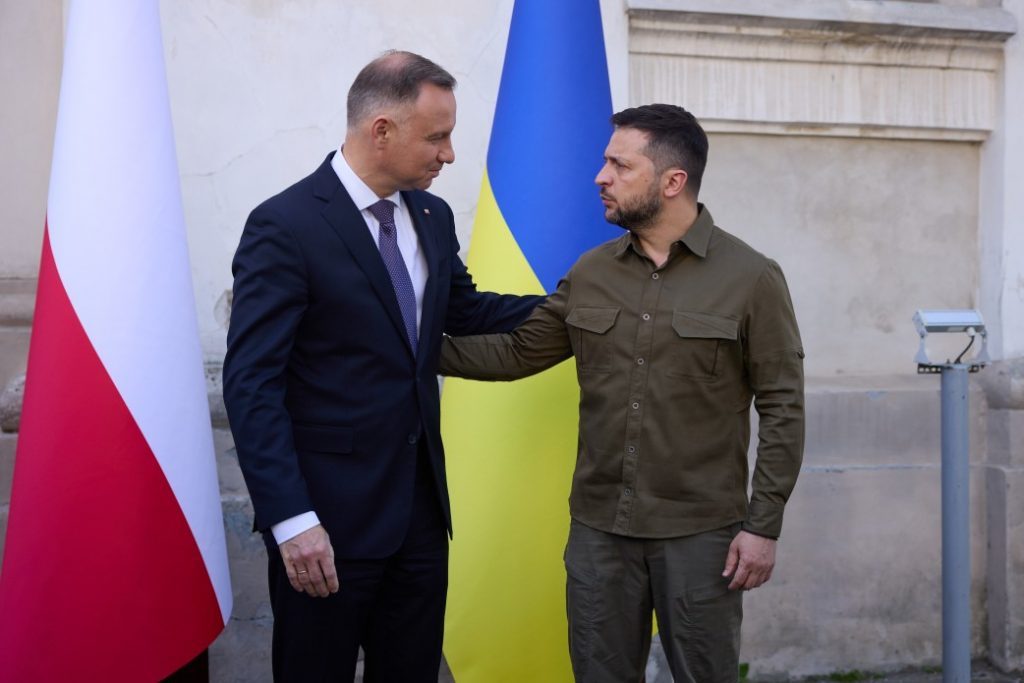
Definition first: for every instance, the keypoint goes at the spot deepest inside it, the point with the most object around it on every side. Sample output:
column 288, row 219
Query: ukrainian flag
column 512, row 447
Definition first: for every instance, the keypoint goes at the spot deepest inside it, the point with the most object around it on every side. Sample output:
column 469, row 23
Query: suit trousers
column 613, row 582
column 393, row 608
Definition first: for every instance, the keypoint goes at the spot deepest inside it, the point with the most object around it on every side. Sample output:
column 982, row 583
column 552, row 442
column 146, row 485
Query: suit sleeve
column 474, row 312
column 269, row 298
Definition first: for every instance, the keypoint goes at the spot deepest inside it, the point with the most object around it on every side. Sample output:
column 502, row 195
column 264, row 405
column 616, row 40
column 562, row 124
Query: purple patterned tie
column 384, row 212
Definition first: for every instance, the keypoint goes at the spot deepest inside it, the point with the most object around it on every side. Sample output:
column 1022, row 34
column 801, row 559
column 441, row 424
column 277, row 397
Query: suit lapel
column 426, row 231
column 347, row 221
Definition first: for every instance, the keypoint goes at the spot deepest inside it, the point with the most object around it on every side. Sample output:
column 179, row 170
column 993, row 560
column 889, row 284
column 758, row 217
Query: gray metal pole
column 956, row 527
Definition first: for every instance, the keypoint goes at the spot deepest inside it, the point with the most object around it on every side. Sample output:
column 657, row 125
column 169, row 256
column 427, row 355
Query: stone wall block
column 1006, row 567
column 849, row 425
column 8, row 445
column 872, row 426
column 228, row 471
column 242, row 652
column 858, row 581
column 14, row 341
column 10, row 404
column 4, row 510
column 215, row 394
column 1003, row 381
column 1006, row 437
column 1015, row 570
column 17, row 302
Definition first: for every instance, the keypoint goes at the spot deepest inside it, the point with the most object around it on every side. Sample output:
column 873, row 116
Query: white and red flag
column 115, row 566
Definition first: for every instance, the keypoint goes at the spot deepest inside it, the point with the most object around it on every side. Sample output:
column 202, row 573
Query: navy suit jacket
column 328, row 404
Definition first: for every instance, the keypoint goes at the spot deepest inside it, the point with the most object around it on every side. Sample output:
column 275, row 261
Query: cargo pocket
column 699, row 345
column 591, row 341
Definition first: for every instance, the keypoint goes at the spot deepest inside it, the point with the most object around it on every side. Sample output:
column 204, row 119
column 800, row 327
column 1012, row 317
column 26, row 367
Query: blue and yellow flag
column 512, row 447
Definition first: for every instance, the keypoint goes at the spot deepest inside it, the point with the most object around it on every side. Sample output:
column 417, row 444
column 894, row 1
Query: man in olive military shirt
column 676, row 326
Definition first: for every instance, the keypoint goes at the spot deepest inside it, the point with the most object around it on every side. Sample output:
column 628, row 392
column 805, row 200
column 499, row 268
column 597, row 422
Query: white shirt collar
column 360, row 192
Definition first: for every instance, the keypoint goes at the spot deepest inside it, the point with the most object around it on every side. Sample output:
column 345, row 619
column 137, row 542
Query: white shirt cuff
column 293, row 526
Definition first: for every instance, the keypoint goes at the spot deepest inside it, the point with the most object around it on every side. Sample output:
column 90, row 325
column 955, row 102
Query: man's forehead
column 626, row 141
column 434, row 103
column 432, row 96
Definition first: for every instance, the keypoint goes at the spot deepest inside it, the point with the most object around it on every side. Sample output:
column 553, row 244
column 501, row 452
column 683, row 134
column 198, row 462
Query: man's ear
column 674, row 181
column 381, row 130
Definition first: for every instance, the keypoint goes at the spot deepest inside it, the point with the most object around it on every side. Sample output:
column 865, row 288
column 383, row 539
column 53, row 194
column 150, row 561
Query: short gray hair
column 393, row 79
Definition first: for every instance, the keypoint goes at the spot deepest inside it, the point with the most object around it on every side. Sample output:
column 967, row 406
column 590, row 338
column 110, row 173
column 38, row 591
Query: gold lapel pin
column 426, row 211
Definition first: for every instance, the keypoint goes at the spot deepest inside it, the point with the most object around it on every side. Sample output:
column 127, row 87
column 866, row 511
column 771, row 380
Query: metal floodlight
column 956, row 517
column 952, row 320
column 959, row 320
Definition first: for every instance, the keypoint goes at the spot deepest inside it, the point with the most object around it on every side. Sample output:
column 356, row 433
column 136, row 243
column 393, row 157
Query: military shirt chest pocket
column 701, row 344
column 590, row 330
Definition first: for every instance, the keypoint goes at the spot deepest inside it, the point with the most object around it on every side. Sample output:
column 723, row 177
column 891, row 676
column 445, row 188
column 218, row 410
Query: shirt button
column 646, row 316
column 628, row 492
column 654, row 276
column 636, row 405
column 639, row 361
column 632, row 449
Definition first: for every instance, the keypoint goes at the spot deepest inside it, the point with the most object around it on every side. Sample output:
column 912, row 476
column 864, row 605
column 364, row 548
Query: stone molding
column 850, row 69
column 976, row 20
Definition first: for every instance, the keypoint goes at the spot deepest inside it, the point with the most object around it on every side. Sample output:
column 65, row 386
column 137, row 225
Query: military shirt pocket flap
column 704, row 326
column 322, row 438
column 598, row 319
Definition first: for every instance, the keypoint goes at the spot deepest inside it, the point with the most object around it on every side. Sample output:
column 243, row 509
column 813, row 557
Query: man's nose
column 447, row 155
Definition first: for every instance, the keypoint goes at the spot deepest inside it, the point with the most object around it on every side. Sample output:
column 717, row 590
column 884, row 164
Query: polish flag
column 115, row 566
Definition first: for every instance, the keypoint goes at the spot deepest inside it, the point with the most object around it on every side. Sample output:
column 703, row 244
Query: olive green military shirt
column 668, row 361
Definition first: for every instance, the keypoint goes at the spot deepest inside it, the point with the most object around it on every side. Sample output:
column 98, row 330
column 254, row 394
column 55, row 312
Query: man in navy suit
column 344, row 285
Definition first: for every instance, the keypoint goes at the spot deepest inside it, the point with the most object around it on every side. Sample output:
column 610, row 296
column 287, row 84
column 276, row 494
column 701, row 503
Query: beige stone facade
column 875, row 149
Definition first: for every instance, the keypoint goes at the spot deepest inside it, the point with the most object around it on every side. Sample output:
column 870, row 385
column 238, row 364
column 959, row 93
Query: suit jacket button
column 412, row 438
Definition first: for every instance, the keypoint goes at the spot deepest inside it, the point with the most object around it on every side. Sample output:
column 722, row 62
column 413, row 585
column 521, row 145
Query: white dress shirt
column 415, row 263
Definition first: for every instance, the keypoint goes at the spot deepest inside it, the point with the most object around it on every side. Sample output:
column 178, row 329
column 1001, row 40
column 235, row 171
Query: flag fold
column 115, row 562
column 511, row 448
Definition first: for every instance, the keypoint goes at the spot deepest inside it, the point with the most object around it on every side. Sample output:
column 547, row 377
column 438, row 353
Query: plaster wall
column 1002, row 205
column 257, row 93
column 866, row 231
column 31, row 49
column 858, row 577
column 258, row 99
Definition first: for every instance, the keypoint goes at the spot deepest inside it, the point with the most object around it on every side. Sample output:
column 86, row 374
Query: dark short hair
column 674, row 139
column 392, row 79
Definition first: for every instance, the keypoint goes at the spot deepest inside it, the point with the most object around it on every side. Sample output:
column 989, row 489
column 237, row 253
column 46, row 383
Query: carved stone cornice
column 850, row 69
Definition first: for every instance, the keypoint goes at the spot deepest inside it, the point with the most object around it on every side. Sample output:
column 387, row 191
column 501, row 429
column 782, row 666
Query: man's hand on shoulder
column 309, row 560
column 750, row 560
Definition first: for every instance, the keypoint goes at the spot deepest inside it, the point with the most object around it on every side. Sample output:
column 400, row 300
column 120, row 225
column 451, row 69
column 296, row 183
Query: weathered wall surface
column 866, row 230
column 31, row 49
